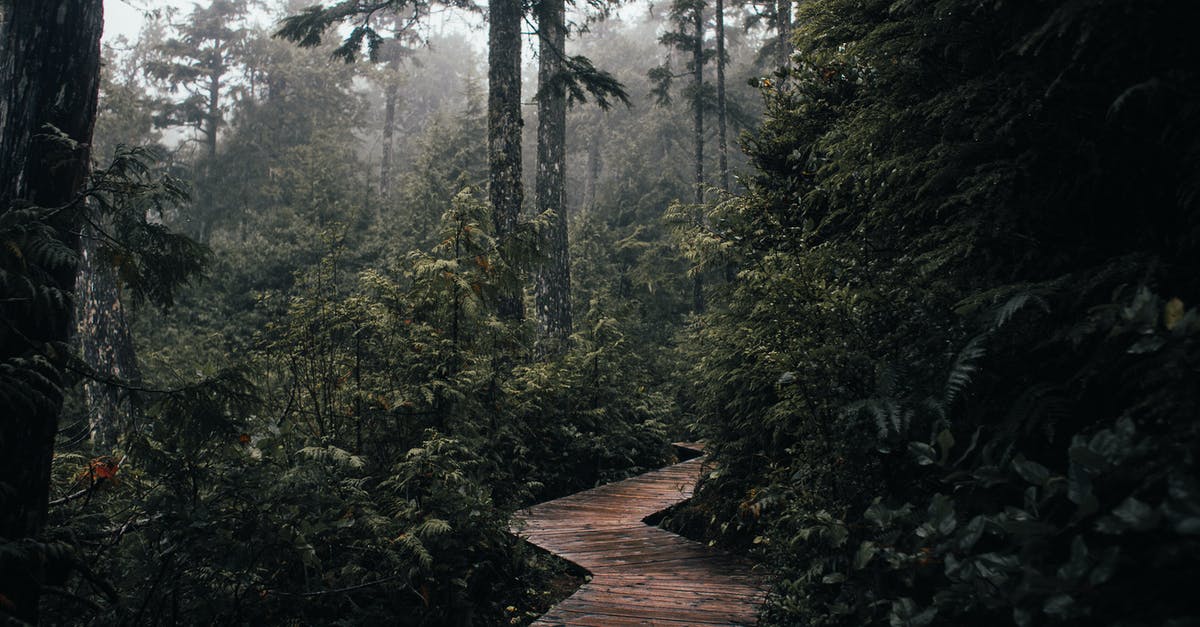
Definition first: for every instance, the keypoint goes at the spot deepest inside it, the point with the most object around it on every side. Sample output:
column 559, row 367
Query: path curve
column 641, row 575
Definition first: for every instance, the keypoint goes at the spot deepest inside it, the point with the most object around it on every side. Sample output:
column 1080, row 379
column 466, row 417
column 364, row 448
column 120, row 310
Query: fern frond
column 964, row 368
column 433, row 527
column 413, row 545
column 332, row 455
column 1013, row 305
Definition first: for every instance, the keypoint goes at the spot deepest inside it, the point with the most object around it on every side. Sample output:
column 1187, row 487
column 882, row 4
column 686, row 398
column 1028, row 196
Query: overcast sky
column 122, row 18
column 125, row 17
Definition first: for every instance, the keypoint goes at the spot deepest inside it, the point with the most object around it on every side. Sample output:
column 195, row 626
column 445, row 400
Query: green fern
column 962, row 371
column 332, row 455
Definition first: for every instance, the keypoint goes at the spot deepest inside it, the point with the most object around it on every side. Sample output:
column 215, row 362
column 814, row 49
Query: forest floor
column 640, row 574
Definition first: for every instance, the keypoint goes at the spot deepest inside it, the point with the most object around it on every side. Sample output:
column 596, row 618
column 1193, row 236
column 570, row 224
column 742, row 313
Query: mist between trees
column 298, row 310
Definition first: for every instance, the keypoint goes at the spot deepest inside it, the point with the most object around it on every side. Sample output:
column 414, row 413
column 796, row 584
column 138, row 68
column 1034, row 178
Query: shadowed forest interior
column 302, row 302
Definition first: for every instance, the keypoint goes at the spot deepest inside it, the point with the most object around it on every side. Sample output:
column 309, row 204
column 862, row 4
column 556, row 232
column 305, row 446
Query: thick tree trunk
column 49, row 75
column 783, row 18
column 554, row 275
column 106, row 346
column 504, row 135
column 698, row 132
column 722, row 146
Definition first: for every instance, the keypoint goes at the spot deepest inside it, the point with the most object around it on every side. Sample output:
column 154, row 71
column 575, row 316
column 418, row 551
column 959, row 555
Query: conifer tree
column 505, row 190
column 688, row 15
column 105, row 344
column 49, row 81
column 101, row 326
column 504, row 134
column 696, row 42
column 561, row 81
column 391, row 95
column 208, row 46
column 553, row 287
column 391, row 53
column 722, row 122
column 783, row 28
column 197, row 63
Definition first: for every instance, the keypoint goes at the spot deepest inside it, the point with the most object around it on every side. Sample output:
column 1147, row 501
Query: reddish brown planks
column 641, row 575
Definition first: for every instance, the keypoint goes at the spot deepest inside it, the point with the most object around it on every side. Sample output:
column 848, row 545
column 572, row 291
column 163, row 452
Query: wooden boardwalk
column 641, row 575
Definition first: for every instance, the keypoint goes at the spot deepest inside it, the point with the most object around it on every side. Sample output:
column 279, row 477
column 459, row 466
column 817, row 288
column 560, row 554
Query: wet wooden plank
column 641, row 575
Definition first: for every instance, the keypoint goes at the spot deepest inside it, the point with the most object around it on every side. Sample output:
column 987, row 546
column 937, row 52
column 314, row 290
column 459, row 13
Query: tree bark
column 698, row 132
column 212, row 121
column 106, row 346
column 553, row 290
column 504, row 136
column 391, row 95
column 49, row 75
column 722, row 146
column 783, row 24
column 698, row 98
column 212, row 126
column 594, row 165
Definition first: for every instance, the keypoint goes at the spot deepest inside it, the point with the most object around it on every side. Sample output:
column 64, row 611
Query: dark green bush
column 955, row 381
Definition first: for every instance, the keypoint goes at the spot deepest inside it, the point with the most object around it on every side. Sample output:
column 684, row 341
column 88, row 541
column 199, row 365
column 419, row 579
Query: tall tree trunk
column 212, row 118
column 783, row 24
column 698, row 132
column 391, row 95
column 106, row 346
column 722, row 147
column 504, row 136
column 554, row 275
column 594, row 164
column 49, row 75
column 212, row 125
column 698, row 98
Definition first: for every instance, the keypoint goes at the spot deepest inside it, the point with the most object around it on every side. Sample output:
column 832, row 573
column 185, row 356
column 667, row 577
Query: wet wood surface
column 640, row 575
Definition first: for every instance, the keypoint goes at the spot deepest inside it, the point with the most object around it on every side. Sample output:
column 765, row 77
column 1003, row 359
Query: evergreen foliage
column 955, row 379
column 131, row 196
column 946, row 367
column 352, row 423
column 374, row 460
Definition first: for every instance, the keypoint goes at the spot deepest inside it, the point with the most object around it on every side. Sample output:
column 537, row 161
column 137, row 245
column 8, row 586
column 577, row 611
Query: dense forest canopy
column 302, row 301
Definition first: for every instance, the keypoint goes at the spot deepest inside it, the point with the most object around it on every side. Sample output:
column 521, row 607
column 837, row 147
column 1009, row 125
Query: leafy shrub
column 361, row 465
column 954, row 382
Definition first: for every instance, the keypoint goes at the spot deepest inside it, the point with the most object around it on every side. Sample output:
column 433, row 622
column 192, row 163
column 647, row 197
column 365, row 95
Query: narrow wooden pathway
column 641, row 575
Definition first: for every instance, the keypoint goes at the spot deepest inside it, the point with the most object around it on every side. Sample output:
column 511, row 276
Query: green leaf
column 1079, row 490
column 941, row 517
column 833, row 578
column 904, row 613
column 1060, row 605
column 1078, row 564
column 971, row 533
column 945, row 441
column 922, row 453
column 1136, row 514
column 1031, row 471
column 863, row 556
column 1188, row 526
